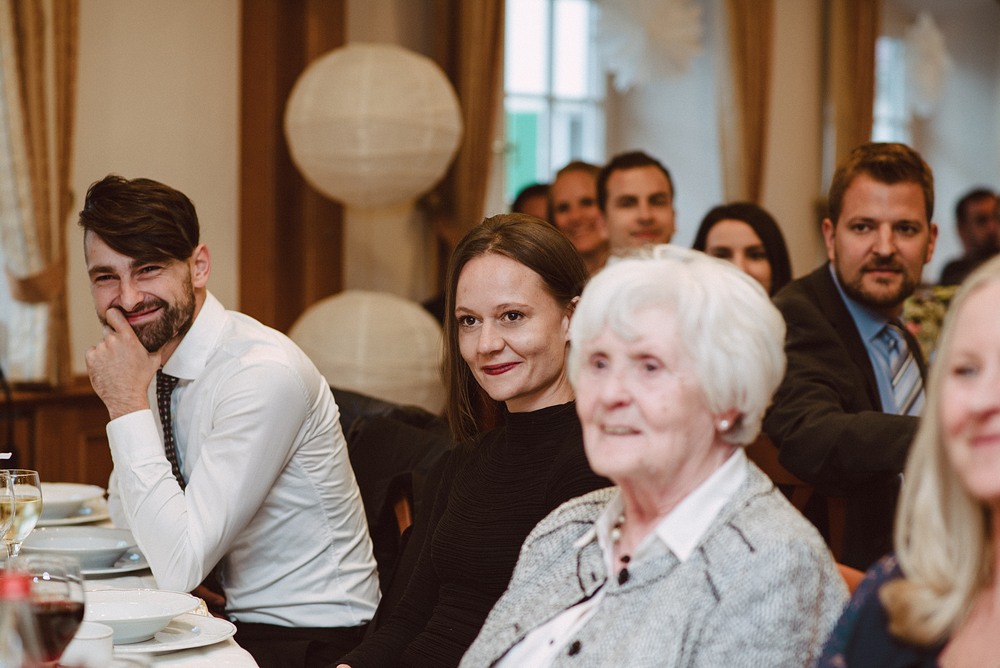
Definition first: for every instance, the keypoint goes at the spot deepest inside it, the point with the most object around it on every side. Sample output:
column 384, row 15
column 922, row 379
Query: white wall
column 158, row 97
column 961, row 139
column 676, row 120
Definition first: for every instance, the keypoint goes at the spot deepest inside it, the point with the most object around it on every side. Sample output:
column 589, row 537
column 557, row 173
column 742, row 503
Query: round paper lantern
column 377, row 344
column 373, row 125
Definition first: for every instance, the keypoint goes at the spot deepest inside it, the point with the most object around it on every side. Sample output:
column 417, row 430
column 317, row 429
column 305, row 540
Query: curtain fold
column 38, row 50
column 470, row 50
column 853, row 27
column 744, row 97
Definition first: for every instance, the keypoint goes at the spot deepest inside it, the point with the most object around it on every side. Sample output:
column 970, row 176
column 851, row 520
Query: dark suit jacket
column 827, row 418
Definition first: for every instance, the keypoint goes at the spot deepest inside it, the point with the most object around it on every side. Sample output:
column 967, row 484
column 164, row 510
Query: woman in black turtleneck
column 512, row 286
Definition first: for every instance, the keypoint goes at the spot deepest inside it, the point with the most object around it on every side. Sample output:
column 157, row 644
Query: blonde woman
column 937, row 601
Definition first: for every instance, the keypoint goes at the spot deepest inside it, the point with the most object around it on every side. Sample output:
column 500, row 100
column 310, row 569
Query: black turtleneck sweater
column 492, row 494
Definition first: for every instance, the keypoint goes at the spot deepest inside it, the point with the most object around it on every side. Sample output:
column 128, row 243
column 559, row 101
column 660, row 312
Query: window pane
column 527, row 141
column 891, row 116
column 577, row 133
column 571, row 50
column 526, row 47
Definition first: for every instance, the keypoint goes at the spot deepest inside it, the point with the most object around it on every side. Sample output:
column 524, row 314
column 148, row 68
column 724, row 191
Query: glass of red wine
column 56, row 599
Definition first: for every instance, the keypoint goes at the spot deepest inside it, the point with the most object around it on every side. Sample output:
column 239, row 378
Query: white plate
column 185, row 631
column 92, row 511
column 129, row 562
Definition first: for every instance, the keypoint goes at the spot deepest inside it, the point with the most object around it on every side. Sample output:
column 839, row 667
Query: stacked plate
column 100, row 550
column 93, row 547
column 68, row 504
column 151, row 621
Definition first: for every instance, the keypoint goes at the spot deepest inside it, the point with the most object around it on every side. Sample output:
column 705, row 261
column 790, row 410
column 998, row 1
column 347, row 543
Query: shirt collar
column 869, row 323
column 683, row 528
column 193, row 352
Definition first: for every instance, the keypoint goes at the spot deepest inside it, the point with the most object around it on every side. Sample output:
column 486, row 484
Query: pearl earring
column 723, row 425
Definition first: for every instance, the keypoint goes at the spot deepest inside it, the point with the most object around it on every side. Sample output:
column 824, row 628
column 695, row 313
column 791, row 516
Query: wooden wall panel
column 62, row 434
column 290, row 236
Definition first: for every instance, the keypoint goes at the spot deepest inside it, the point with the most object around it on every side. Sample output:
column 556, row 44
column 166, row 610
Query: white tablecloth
column 225, row 654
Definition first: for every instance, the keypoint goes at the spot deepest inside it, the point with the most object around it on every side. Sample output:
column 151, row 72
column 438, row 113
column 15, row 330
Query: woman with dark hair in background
column 746, row 235
column 512, row 286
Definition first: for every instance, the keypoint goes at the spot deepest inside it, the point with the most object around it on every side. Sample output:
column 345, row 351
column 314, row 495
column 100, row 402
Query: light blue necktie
column 907, row 384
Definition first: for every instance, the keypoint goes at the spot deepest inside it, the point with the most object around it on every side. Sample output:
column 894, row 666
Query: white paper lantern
column 375, row 343
column 373, row 125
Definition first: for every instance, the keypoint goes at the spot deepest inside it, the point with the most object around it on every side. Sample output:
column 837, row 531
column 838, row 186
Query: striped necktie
column 907, row 383
column 165, row 385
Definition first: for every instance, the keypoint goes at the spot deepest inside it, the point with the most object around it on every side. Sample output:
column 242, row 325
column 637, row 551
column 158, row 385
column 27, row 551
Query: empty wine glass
column 27, row 508
column 57, row 599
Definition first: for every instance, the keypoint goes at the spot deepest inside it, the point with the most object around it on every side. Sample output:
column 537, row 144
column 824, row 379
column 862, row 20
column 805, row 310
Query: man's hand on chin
column 120, row 367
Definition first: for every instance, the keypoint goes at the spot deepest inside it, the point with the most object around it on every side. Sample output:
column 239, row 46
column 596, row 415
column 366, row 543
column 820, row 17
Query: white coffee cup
column 91, row 647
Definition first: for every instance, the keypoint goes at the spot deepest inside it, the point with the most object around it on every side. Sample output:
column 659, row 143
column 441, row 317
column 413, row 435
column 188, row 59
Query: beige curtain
column 852, row 27
column 470, row 50
column 744, row 94
column 38, row 46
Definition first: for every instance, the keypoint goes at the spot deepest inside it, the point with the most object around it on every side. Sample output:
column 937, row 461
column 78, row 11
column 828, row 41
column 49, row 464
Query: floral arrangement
column 923, row 314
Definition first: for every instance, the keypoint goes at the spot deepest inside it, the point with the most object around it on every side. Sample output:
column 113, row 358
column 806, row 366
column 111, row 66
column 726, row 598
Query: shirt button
column 574, row 648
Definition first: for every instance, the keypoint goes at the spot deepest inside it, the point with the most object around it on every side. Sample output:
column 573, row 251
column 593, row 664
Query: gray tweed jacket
column 760, row 590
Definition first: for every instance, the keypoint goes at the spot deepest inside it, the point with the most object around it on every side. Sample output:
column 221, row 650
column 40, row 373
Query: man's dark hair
column 141, row 218
column 529, row 192
column 974, row 195
column 629, row 160
column 887, row 163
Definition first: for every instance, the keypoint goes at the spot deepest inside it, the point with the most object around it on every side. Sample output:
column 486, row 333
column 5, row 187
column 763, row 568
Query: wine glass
column 27, row 508
column 6, row 505
column 57, row 600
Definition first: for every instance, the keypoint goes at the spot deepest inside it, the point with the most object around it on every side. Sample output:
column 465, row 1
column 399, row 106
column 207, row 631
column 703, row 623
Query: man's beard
column 173, row 321
column 857, row 291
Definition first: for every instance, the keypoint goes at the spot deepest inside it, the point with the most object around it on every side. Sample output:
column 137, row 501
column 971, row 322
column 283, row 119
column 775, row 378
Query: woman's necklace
column 616, row 536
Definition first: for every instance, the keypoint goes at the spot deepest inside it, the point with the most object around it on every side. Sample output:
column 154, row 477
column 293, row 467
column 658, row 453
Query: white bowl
column 93, row 547
column 136, row 614
column 64, row 499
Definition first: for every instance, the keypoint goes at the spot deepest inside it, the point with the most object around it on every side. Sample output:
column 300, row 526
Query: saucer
column 185, row 631
column 127, row 563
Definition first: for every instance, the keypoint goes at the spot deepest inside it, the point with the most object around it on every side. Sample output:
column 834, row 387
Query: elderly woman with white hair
column 694, row 558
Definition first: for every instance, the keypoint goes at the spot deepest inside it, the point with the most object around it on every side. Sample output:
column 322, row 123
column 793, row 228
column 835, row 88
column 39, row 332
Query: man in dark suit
column 845, row 413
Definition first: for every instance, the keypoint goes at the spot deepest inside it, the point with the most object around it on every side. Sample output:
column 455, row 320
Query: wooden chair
column 764, row 454
column 852, row 577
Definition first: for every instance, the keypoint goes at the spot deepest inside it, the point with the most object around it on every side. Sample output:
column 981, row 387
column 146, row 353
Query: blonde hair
column 942, row 534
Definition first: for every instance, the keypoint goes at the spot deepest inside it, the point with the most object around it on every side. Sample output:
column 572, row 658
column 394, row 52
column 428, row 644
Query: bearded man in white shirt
column 252, row 482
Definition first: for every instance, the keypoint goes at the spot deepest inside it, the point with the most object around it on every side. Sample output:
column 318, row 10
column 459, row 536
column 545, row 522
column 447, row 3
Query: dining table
column 224, row 654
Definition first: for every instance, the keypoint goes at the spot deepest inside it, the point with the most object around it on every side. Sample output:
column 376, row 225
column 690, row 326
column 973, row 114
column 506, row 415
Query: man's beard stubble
column 174, row 319
column 856, row 289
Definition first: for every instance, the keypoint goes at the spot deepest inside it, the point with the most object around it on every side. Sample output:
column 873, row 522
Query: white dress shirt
column 270, row 494
column 680, row 532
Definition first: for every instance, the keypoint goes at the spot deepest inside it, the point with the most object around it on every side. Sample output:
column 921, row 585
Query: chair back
column 764, row 454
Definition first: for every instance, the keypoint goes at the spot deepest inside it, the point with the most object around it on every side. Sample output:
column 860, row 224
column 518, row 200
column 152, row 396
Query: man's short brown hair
column 888, row 163
column 141, row 218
